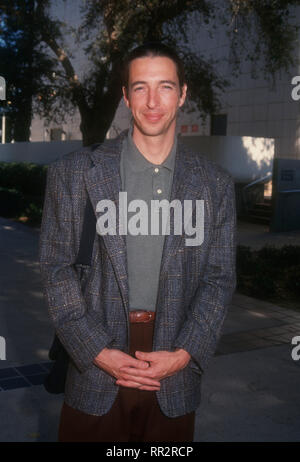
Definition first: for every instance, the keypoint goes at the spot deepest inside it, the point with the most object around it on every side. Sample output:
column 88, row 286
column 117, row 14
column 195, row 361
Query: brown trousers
column 135, row 414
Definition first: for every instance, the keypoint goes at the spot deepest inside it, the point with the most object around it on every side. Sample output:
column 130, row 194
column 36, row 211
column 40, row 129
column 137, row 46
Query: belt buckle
column 149, row 315
column 142, row 316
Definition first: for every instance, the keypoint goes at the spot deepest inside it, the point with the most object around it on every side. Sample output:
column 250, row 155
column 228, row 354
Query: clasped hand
column 146, row 370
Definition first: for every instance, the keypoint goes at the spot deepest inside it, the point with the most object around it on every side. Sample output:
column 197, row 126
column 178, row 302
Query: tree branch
column 70, row 74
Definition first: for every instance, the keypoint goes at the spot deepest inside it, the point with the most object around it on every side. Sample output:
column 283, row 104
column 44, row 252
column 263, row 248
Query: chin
column 153, row 130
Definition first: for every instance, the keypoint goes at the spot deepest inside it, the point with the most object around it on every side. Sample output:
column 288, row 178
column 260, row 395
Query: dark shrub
column 11, row 202
column 290, row 255
column 23, row 176
column 22, row 189
column 269, row 273
column 292, row 279
column 245, row 260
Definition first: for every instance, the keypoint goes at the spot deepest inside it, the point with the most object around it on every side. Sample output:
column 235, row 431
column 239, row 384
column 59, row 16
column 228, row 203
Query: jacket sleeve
column 203, row 324
column 79, row 330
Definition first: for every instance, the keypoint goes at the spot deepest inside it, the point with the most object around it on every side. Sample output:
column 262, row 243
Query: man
column 142, row 331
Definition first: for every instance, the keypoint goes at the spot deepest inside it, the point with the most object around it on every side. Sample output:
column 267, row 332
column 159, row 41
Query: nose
column 152, row 98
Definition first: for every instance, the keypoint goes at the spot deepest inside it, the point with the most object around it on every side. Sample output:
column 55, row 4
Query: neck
column 154, row 148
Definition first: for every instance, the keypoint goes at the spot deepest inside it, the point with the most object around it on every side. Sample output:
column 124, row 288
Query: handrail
column 245, row 190
column 288, row 191
column 259, row 180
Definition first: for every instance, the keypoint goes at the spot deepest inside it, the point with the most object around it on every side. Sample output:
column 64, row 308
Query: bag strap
column 87, row 235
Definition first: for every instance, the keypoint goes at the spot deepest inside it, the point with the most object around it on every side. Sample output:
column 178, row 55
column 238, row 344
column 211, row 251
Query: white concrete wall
column 245, row 158
column 38, row 153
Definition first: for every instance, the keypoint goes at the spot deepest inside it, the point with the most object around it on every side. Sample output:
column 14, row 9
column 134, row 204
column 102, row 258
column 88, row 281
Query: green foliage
column 11, row 202
column 292, row 279
column 34, row 213
column 264, row 33
column 28, row 178
column 270, row 273
column 22, row 189
column 245, row 260
column 24, row 64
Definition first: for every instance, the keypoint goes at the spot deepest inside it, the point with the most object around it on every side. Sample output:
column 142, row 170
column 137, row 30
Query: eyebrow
column 142, row 82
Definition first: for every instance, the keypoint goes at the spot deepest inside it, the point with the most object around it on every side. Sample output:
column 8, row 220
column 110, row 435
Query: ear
column 183, row 95
column 124, row 91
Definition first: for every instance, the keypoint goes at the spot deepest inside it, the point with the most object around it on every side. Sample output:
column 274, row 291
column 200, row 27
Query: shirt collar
column 136, row 160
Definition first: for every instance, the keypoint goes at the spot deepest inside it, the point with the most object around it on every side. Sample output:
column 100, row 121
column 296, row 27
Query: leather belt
column 141, row 316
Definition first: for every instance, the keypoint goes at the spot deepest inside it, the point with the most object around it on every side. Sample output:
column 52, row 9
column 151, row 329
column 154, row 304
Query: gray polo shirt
column 144, row 181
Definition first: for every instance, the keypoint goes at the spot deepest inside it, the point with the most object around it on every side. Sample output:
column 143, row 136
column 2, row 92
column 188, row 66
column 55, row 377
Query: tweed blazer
column 195, row 282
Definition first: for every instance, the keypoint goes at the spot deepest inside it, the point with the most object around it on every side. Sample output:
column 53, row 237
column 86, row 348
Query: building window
column 184, row 128
column 218, row 124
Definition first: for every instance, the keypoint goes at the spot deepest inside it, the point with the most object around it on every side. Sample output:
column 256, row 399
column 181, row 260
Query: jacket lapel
column 103, row 182
column 186, row 186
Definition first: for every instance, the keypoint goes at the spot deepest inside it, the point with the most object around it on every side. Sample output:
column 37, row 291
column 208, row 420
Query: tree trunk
column 93, row 131
column 96, row 122
column 22, row 122
column 8, row 129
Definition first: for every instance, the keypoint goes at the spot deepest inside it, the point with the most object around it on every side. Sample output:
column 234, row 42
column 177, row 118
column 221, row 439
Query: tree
column 258, row 30
column 24, row 64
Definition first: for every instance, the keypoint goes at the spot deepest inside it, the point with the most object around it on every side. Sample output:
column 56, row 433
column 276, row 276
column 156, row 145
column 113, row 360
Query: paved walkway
column 250, row 391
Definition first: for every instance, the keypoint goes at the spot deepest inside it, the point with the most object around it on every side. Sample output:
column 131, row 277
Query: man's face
column 154, row 95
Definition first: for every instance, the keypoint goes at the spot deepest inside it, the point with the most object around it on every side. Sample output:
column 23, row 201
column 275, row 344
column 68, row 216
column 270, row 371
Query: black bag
column 55, row 381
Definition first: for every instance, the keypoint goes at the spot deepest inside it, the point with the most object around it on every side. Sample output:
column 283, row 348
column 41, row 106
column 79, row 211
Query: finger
column 140, row 364
column 152, row 372
column 141, row 380
column 128, row 383
column 149, row 388
column 132, row 384
column 136, row 372
column 145, row 356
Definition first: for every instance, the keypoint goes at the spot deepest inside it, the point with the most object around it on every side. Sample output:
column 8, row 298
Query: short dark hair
column 152, row 49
